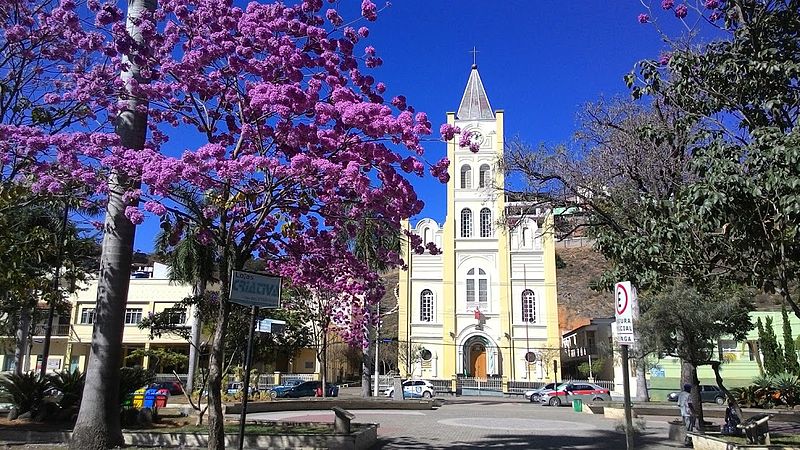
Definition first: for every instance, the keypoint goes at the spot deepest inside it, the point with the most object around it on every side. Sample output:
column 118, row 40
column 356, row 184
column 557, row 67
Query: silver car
column 534, row 394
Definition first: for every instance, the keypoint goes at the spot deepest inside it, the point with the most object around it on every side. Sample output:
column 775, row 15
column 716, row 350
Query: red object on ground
column 319, row 392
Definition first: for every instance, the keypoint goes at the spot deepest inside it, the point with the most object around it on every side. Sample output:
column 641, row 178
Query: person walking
column 687, row 412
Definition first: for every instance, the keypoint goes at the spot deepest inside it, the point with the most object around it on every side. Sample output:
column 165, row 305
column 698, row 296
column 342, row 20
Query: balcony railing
column 59, row 329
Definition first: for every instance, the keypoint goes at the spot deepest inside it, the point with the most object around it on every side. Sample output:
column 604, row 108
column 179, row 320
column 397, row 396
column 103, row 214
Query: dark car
column 708, row 394
column 173, row 387
column 281, row 390
column 309, row 389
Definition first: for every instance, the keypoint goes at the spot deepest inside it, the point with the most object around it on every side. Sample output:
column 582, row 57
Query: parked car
column 280, row 390
column 415, row 389
column 708, row 393
column 173, row 387
column 534, row 394
column 235, row 388
column 566, row 392
column 309, row 389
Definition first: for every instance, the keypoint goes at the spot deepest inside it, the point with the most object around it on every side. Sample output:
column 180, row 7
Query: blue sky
column 539, row 61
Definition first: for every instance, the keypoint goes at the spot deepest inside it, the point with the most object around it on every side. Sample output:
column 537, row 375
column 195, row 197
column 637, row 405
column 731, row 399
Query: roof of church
column 474, row 103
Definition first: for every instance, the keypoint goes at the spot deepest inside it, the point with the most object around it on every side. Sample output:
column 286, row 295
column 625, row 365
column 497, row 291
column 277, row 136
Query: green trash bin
column 577, row 405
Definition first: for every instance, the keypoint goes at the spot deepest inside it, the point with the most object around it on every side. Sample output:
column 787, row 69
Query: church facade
column 486, row 305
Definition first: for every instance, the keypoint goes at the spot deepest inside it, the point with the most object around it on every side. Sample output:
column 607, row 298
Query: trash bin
column 161, row 398
column 150, row 398
column 577, row 405
column 138, row 398
column 128, row 402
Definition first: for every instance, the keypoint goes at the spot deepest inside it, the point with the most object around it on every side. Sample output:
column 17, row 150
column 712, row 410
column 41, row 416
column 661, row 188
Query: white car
column 414, row 389
column 534, row 394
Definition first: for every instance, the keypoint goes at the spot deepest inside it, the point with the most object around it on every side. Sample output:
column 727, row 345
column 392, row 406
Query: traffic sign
column 270, row 326
column 255, row 289
column 624, row 300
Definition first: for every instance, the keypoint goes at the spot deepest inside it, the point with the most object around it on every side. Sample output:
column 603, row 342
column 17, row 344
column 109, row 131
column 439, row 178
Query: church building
column 486, row 305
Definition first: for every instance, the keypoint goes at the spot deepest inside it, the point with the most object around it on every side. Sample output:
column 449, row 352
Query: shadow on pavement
column 595, row 440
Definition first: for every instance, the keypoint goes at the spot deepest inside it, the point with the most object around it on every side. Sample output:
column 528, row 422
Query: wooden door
column 478, row 363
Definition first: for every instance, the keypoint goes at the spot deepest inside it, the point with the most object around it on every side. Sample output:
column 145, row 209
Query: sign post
column 257, row 291
column 624, row 300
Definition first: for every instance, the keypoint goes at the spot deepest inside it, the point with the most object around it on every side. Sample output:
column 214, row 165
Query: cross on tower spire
column 474, row 52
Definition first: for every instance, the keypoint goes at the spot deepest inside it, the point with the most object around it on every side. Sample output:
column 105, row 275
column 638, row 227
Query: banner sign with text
column 255, row 289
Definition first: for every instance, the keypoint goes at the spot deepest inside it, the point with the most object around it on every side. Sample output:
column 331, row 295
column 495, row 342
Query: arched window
column 486, row 222
column 466, row 223
column 426, row 236
column 525, row 237
column 528, row 306
column 482, row 281
column 483, row 176
column 466, row 177
column 426, row 306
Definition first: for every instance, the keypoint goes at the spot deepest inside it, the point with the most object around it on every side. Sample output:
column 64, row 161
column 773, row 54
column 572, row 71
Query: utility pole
column 377, row 349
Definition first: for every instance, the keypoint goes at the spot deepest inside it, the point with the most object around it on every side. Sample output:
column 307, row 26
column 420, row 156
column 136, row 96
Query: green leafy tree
column 682, row 322
column 789, row 349
column 773, row 354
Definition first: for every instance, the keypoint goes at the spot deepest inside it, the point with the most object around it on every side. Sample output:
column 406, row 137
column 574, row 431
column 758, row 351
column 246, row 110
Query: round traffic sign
column 622, row 302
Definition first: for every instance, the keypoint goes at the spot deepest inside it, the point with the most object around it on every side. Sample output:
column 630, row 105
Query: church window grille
column 426, row 306
column 483, row 176
column 528, row 306
column 486, row 222
column 466, row 177
column 482, row 282
column 466, row 223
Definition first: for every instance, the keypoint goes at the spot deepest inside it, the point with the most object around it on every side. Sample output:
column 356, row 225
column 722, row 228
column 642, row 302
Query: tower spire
column 475, row 102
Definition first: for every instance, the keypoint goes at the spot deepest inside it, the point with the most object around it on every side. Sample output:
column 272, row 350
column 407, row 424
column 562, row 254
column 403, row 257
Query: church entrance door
column 478, row 361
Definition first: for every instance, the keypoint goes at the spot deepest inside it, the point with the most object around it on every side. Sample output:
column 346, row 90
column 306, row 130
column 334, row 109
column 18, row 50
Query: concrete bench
column 341, row 423
column 756, row 429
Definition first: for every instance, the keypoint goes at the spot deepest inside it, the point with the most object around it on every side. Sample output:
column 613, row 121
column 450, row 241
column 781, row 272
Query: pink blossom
column 369, row 11
column 643, row 18
column 448, row 131
column 363, row 32
column 667, row 4
column 681, row 11
column 711, row 4
column 134, row 215
column 664, row 58
column 155, row 208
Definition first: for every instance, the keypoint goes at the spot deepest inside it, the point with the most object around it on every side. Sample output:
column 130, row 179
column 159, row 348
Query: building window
column 466, row 177
column 133, row 316
column 87, row 316
column 525, row 237
column 426, row 306
column 175, row 316
column 426, row 236
column 466, row 223
column 482, row 280
column 486, row 222
column 528, row 306
column 483, row 176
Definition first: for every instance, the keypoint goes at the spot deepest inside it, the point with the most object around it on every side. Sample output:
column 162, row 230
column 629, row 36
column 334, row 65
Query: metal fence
column 297, row 376
column 605, row 384
column 479, row 386
column 163, row 377
column 519, row 387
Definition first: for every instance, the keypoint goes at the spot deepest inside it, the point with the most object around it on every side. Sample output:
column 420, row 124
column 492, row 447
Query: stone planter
column 364, row 437
column 714, row 441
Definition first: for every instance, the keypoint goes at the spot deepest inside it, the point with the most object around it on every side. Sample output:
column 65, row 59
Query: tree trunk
column 21, row 347
column 728, row 397
column 642, row 395
column 98, row 424
column 194, row 345
column 697, row 402
column 366, row 370
column 216, row 419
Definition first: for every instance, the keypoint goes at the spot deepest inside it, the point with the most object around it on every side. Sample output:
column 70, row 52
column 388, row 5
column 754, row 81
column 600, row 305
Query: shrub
column 133, row 378
column 26, row 390
column 70, row 387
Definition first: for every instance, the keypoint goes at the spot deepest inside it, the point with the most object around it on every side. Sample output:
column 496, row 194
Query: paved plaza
column 474, row 424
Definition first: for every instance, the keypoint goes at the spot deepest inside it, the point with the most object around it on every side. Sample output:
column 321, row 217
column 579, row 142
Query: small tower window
column 426, row 236
column 466, row 223
column 525, row 236
column 426, row 306
column 482, row 280
column 528, row 306
column 483, row 176
column 466, row 177
column 486, row 222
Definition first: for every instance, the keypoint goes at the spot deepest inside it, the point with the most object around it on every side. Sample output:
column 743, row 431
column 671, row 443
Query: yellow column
column 276, row 378
column 448, row 265
column 403, row 305
column 503, row 240
column 551, row 294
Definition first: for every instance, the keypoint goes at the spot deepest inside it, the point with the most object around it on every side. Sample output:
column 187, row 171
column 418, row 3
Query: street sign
column 270, row 326
column 253, row 289
column 624, row 300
